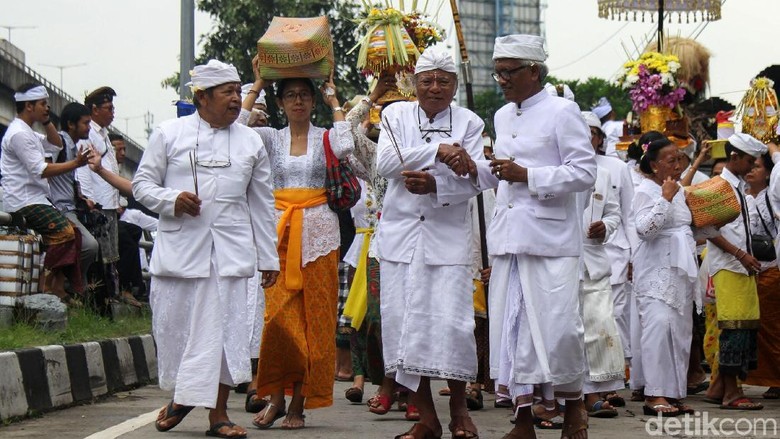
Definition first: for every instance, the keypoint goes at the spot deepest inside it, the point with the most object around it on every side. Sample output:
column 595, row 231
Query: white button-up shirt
column 92, row 185
column 735, row 232
column 22, row 165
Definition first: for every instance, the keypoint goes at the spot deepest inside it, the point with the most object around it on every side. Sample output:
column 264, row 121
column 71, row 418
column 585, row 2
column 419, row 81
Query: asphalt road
column 132, row 414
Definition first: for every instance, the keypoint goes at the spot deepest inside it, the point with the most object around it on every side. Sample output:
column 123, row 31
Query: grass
column 83, row 325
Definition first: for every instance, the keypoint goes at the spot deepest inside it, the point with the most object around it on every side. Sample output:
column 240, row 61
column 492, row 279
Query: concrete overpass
column 14, row 72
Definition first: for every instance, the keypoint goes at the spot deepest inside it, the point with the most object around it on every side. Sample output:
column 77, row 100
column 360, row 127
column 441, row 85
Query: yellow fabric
column 480, row 301
column 357, row 300
column 292, row 202
column 736, row 298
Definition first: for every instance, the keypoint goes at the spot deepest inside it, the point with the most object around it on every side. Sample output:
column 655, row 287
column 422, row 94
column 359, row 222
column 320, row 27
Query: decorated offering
column 296, row 48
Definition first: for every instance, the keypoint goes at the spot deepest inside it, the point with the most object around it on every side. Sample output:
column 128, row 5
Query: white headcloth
column 212, row 74
column 553, row 90
column 591, row 119
column 33, row 94
column 520, row 46
column 602, row 108
column 260, row 96
column 435, row 60
column 748, row 144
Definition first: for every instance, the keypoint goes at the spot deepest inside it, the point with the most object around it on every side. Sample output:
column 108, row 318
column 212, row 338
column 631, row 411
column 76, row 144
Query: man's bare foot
column 226, row 429
column 575, row 420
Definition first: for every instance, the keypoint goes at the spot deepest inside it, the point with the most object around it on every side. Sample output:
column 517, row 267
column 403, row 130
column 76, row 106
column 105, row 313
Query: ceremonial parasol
column 696, row 10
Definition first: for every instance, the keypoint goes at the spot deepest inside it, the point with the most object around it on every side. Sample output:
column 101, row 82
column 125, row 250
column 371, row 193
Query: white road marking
column 127, row 426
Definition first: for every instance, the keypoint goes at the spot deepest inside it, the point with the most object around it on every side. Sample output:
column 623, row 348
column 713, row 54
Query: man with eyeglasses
column 426, row 151
column 96, row 190
column 209, row 179
column 543, row 159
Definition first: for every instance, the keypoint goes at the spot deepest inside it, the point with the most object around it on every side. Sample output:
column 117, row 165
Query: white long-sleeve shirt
column 92, row 185
column 21, row 165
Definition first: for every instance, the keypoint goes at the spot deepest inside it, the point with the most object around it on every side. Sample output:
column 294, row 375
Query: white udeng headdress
column 33, row 94
column 520, row 46
column 433, row 60
column 212, row 74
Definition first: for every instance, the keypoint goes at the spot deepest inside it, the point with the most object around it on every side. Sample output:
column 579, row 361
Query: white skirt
column 202, row 329
column 427, row 321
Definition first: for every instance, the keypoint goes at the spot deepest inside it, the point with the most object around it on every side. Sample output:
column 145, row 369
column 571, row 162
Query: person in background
column 74, row 127
column 26, row 190
column 763, row 223
column 611, row 127
column 734, row 268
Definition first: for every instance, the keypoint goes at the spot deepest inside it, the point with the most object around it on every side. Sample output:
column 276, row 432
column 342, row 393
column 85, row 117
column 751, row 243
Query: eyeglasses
column 292, row 96
column 210, row 163
column 445, row 132
column 506, row 75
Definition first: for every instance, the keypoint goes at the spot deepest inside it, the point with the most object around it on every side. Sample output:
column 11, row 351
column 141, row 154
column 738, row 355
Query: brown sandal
column 420, row 431
column 572, row 428
column 465, row 426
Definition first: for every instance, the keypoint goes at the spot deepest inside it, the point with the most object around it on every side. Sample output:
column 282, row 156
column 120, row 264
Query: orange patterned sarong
column 298, row 344
column 768, row 372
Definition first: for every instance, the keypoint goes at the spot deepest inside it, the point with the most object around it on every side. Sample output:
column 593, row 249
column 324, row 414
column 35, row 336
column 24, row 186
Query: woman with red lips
column 297, row 349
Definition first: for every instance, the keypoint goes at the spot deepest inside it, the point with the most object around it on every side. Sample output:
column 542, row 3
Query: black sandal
column 252, row 404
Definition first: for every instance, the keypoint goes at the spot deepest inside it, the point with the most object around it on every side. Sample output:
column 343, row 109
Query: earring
column 655, row 171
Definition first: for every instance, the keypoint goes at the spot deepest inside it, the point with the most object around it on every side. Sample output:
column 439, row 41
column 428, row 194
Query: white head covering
column 433, row 60
column 520, row 46
column 212, row 74
column 553, row 90
column 748, row 144
column 122, row 202
column 602, row 108
column 260, row 96
column 33, row 94
column 591, row 119
column 690, row 149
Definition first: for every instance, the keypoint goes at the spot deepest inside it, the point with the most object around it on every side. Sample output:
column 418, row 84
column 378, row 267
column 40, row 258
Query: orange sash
column 292, row 202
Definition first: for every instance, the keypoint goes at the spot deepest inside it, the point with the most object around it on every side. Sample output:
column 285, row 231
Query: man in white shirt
column 96, row 190
column 425, row 150
column 543, row 160
column 26, row 189
column 611, row 128
column 733, row 269
column 216, row 229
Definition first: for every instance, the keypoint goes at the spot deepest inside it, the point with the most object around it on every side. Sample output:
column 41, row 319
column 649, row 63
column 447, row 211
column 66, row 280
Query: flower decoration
column 651, row 81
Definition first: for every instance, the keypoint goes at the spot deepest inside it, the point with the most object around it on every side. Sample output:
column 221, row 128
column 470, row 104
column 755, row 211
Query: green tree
column 240, row 23
column 486, row 104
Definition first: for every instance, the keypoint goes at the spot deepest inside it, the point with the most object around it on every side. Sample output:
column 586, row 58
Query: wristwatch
column 335, row 109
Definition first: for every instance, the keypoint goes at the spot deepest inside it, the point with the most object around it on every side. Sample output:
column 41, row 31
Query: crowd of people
column 594, row 268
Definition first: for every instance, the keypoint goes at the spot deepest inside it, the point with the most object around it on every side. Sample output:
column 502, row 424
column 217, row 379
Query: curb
column 47, row 377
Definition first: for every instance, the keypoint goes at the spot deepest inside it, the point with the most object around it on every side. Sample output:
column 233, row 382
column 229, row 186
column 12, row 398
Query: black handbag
column 763, row 247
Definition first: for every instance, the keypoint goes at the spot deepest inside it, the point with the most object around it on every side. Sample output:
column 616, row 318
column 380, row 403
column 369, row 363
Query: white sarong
column 603, row 346
column 202, row 331
column 427, row 321
column 536, row 331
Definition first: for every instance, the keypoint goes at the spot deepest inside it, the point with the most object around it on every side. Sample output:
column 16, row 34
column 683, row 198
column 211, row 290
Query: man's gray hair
column 543, row 71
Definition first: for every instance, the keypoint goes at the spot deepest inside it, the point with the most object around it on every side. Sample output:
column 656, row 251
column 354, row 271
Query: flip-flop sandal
column 655, row 410
column 354, row 394
column 742, row 403
column 380, row 404
column 638, row 395
column 474, row 400
column 170, row 412
column 615, row 400
column 213, row 431
column 419, row 431
column 502, row 403
column 412, row 414
column 692, row 390
column 599, row 411
column 554, row 423
column 465, row 425
column 280, row 413
column 252, row 404
column 771, row 393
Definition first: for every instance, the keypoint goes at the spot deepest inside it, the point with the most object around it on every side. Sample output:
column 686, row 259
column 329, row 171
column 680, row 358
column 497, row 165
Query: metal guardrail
column 38, row 77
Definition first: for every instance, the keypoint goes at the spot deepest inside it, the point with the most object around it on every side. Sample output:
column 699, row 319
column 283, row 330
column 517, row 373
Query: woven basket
column 20, row 264
column 712, row 203
column 296, row 48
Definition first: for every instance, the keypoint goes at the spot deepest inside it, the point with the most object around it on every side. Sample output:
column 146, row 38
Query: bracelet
column 335, row 109
column 367, row 100
column 253, row 91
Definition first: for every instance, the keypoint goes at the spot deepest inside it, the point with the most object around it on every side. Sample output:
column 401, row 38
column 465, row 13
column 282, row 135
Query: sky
column 133, row 45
